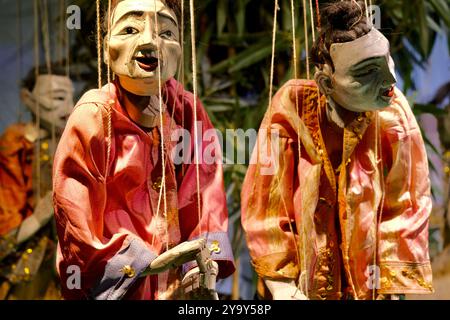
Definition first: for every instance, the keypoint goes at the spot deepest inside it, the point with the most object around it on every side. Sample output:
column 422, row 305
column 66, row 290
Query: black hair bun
column 343, row 15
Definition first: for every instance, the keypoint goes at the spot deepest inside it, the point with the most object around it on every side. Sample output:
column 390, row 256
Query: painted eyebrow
column 138, row 14
column 59, row 91
column 56, row 91
column 135, row 14
column 165, row 15
column 364, row 63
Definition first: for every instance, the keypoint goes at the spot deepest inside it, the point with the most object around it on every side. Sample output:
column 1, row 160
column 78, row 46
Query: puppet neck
column 337, row 114
column 143, row 110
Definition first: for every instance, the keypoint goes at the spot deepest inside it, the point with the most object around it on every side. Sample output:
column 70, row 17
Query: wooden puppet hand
column 390, row 297
column 41, row 215
column 175, row 257
column 283, row 290
column 200, row 282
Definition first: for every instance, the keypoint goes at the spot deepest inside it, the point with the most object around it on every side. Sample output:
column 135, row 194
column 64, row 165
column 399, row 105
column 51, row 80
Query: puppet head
column 136, row 34
column 52, row 93
column 355, row 68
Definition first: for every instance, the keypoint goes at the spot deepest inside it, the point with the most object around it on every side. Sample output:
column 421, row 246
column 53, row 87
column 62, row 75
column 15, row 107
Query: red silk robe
column 106, row 209
column 349, row 232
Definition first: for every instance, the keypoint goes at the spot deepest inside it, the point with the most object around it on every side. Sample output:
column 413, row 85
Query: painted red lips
column 389, row 93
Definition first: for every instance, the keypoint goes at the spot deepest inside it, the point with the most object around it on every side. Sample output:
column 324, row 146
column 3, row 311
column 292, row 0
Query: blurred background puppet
column 27, row 234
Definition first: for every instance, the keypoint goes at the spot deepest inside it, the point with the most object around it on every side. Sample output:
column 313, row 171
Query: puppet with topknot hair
column 346, row 216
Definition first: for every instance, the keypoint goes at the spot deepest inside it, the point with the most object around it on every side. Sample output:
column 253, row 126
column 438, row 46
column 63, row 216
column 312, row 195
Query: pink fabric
column 99, row 212
column 331, row 219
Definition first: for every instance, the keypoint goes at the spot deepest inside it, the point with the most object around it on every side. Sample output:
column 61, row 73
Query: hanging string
column 305, row 20
column 20, row 54
column 318, row 15
column 60, row 47
column 182, row 72
column 107, row 45
column 99, row 70
column 302, row 272
column 194, row 84
column 294, row 40
column 382, row 183
column 272, row 63
column 367, row 11
column 37, row 109
column 161, row 114
column 375, row 222
column 111, row 101
column 67, row 45
column 99, row 47
column 370, row 11
column 380, row 165
column 311, row 11
column 180, row 80
column 46, row 37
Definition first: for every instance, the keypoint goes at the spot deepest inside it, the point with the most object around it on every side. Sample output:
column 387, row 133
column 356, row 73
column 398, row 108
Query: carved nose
column 147, row 37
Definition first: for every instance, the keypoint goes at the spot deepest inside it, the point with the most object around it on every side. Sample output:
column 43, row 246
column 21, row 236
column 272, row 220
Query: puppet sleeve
column 268, row 195
column 109, row 264
column 213, row 223
column 407, row 205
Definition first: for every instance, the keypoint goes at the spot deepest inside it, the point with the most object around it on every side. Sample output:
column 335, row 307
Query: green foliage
column 416, row 22
column 234, row 40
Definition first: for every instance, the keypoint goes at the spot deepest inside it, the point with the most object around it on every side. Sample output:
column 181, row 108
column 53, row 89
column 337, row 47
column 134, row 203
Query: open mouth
column 147, row 63
column 389, row 93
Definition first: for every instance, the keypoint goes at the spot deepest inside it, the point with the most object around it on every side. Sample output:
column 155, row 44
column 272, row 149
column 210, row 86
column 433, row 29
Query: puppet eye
column 367, row 72
column 166, row 34
column 129, row 30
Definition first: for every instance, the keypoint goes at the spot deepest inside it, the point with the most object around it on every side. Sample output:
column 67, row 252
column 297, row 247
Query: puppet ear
column 323, row 80
column 105, row 50
column 28, row 100
column 105, row 53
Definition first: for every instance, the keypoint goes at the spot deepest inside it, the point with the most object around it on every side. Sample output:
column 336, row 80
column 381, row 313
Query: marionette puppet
column 26, row 152
column 131, row 228
column 345, row 215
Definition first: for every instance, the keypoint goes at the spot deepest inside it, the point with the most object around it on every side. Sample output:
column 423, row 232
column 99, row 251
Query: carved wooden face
column 144, row 35
column 363, row 78
column 53, row 94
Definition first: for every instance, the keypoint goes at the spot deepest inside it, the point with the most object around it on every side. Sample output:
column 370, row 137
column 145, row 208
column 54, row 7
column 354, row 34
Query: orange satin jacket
column 16, row 186
column 354, row 233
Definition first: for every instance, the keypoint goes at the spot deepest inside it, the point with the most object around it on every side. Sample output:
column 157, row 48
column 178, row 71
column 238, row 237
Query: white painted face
column 136, row 34
column 54, row 94
column 364, row 76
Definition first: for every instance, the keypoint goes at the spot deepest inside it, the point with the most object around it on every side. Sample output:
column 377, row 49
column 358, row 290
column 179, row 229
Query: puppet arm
column 108, row 264
column 213, row 223
column 404, row 259
column 40, row 217
column 175, row 257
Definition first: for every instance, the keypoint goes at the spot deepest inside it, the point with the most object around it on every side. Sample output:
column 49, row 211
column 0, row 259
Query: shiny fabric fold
column 99, row 211
column 356, row 232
